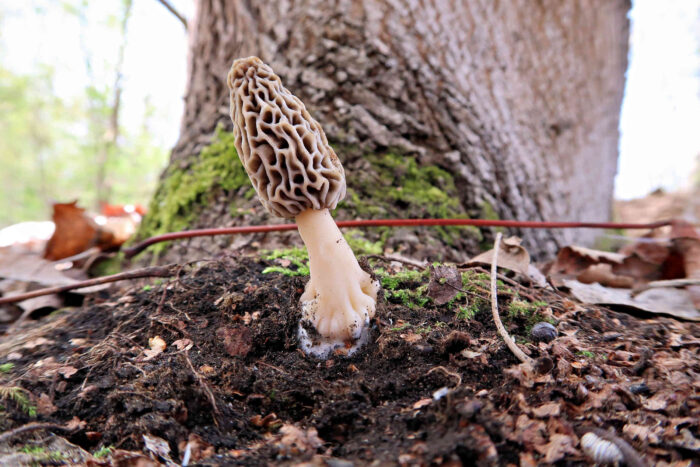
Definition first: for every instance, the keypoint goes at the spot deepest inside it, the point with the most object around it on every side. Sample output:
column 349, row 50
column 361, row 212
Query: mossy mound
column 213, row 190
column 394, row 184
column 186, row 189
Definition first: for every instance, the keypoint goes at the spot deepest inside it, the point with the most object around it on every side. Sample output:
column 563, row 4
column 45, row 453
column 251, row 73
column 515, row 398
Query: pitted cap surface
column 283, row 149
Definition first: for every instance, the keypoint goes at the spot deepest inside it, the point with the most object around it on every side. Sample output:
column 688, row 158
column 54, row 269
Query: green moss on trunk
column 389, row 184
column 396, row 186
column 183, row 192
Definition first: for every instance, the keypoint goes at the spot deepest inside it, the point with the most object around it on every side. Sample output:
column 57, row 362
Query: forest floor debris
column 224, row 381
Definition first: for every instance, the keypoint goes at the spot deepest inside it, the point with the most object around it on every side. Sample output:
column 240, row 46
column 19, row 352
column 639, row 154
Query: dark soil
column 244, row 394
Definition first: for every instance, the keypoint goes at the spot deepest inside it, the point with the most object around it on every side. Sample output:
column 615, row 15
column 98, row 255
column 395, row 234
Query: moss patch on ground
column 526, row 313
column 407, row 287
column 183, row 192
column 292, row 261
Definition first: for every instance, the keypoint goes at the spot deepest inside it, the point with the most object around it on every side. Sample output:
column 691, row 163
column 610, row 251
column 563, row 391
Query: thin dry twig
column 522, row 289
column 273, row 367
column 172, row 10
column 494, row 309
column 448, row 373
column 399, row 259
column 666, row 283
column 205, row 387
column 32, row 427
column 82, row 255
column 459, row 289
column 157, row 271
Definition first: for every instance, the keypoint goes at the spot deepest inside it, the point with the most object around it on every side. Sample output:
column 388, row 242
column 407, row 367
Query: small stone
column 581, row 393
column 544, row 332
column 469, row 407
column 640, row 388
column 334, row 462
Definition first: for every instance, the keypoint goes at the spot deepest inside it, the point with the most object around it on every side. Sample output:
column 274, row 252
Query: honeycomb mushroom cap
column 283, row 149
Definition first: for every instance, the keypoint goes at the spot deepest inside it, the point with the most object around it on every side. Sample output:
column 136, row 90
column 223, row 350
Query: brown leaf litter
column 227, row 384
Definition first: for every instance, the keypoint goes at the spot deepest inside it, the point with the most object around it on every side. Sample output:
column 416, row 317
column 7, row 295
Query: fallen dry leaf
column 445, row 282
column 159, row 447
column 611, row 269
column 38, row 342
column 27, row 269
column 31, row 268
column 602, row 273
column 510, row 256
column 558, row 447
column 67, row 371
column 643, row 433
column 75, row 424
column 528, row 431
column 649, row 248
column 198, row 448
column 689, row 249
column 688, row 441
column 10, row 288
column 156, row 347
column 295, row 440
column 411, row 337
column 523, row 373
column 207, row 370
column 182, row 344
column 237, row 340
column 572, row 260
column 75, row 232
column 44, row 406
column 673, row 302
column 550, row 409
column 657, row 402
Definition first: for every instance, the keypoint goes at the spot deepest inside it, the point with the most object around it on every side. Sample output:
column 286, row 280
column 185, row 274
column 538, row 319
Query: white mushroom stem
column 340, row 297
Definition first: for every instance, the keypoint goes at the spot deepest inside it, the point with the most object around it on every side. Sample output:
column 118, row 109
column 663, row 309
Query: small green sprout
column 104, row 451
column 467, row 312
column 298, row 257
column 20, row 397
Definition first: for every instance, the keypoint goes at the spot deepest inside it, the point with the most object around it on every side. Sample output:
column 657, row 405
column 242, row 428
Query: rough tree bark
column 518, row 101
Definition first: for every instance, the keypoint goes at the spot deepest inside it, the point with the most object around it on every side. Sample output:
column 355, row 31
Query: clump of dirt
column 206, row 367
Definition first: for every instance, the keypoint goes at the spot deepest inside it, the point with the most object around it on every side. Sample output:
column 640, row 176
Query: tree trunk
column 515, row 102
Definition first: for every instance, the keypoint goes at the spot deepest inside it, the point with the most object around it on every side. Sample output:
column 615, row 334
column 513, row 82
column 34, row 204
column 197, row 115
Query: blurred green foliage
column 50, row 146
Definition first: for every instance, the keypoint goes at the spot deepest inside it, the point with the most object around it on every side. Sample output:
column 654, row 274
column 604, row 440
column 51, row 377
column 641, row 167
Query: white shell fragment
column 283, row 149
column 600, row 450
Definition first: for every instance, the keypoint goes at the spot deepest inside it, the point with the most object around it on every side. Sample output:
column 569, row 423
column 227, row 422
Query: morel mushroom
column 297, row 174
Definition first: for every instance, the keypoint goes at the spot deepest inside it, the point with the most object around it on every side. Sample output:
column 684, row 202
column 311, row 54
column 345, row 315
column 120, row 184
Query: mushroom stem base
column 340, row 298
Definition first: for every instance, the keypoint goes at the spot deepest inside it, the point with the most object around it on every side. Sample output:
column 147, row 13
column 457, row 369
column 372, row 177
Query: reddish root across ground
column 247, row 229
